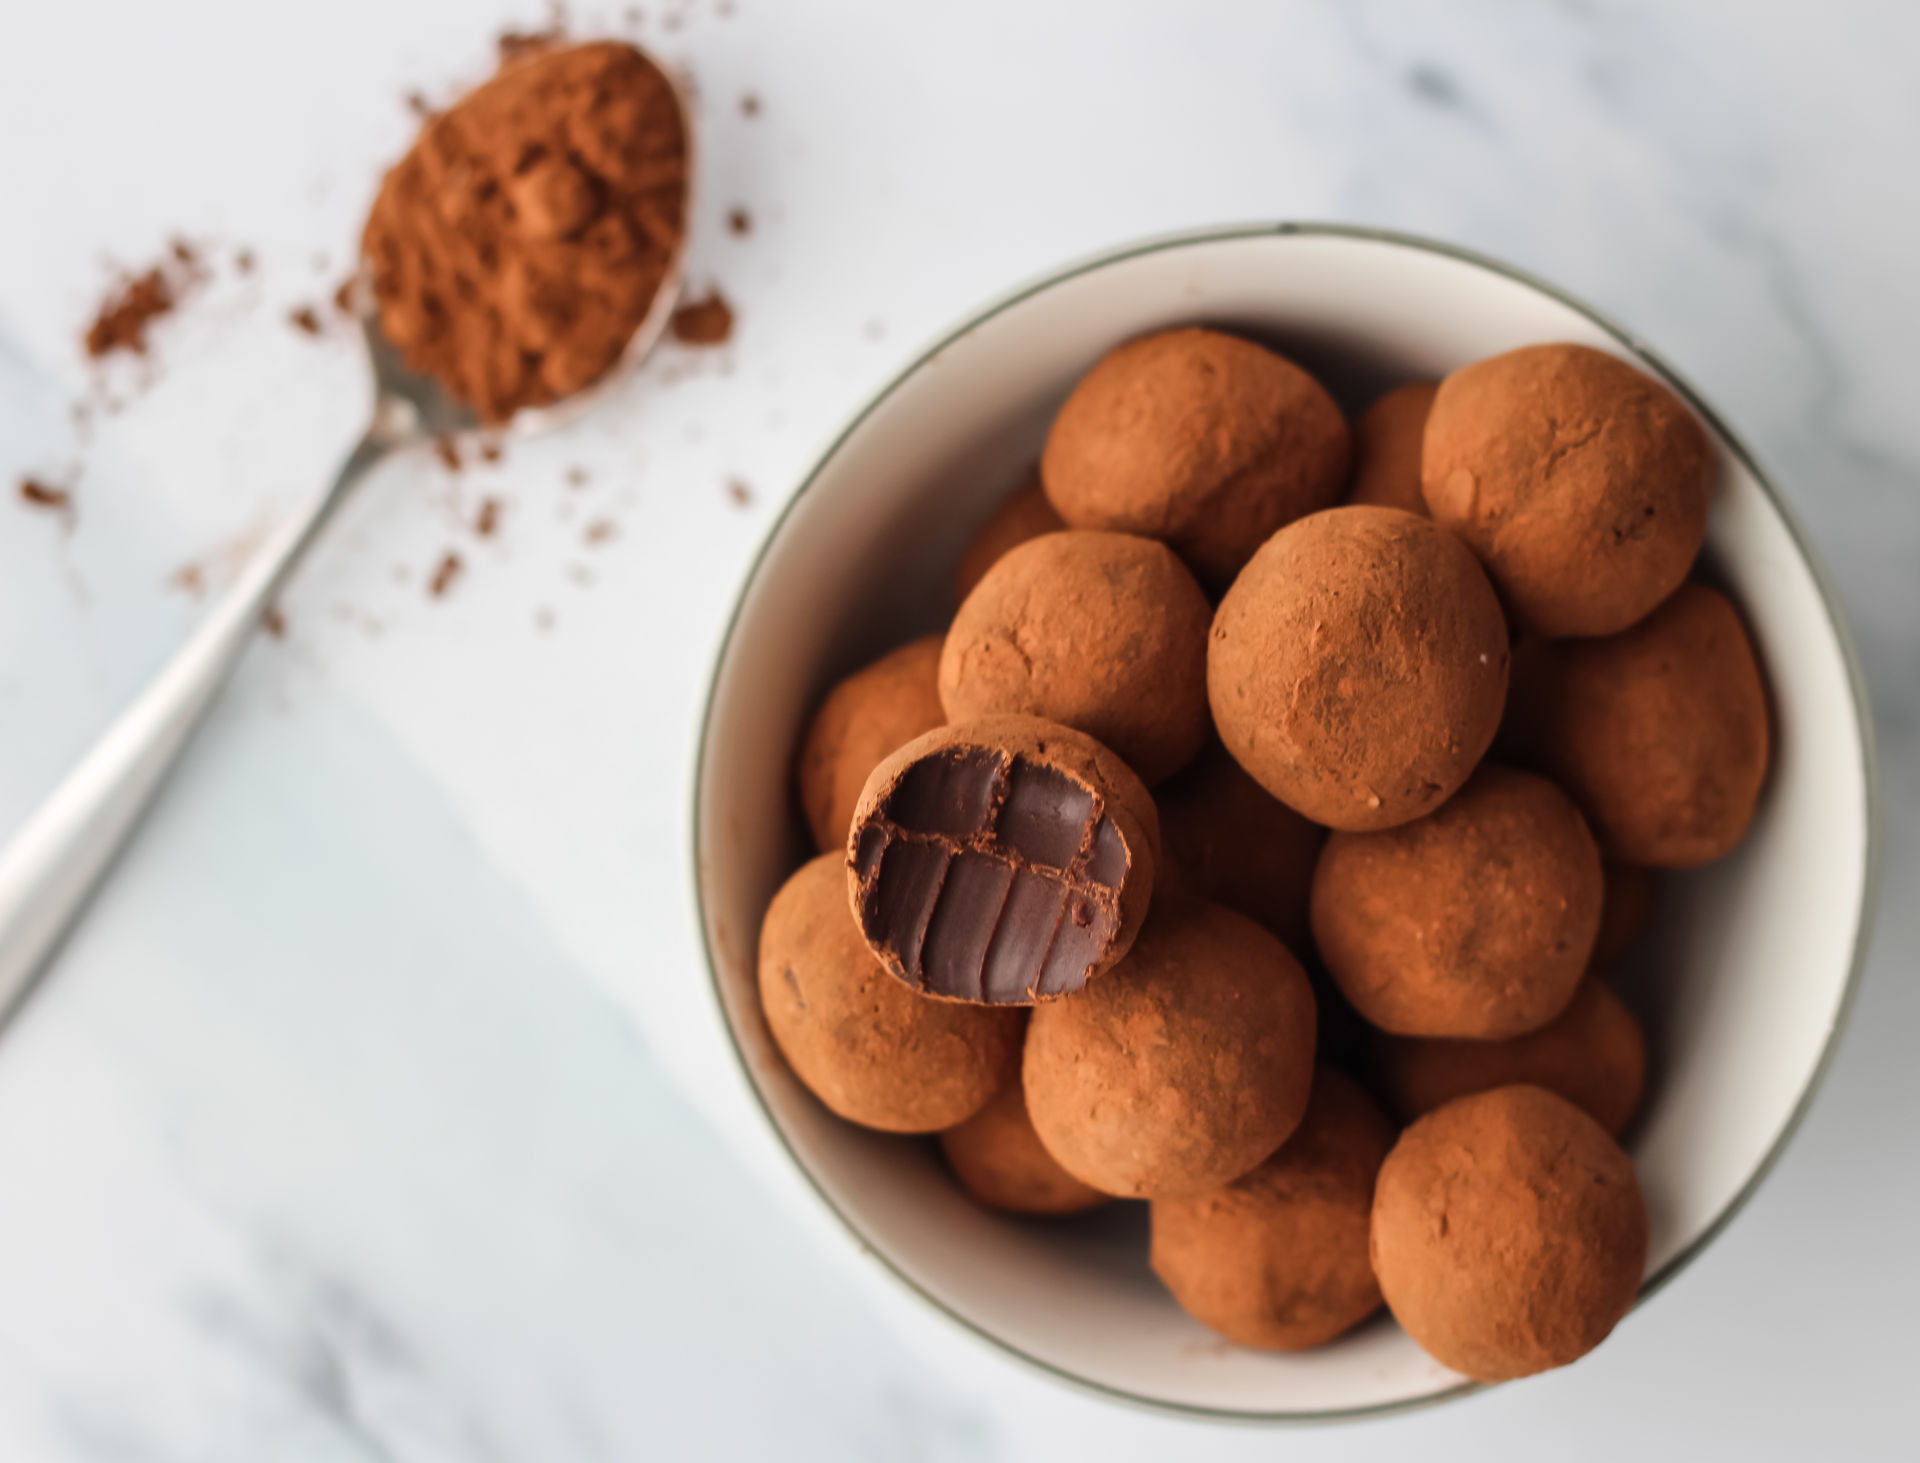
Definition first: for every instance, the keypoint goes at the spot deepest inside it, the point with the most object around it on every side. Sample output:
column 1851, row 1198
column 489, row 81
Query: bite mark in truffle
column 985, row 875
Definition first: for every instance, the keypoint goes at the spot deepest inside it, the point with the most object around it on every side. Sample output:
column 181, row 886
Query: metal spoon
column 57, row 858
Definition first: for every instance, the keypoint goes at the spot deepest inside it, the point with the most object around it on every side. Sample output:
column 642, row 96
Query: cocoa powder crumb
column 543, row 619
column 243, row 262
column 191, row 578
column 738, row 493
column 123, row 318
column 576, row 477
column 344, row 295
column 706, row 321
column 274, row 623
column 444, row 574
column 750, row 105
column 418, row 104
column 44, row 495
column 184, row 254
column 602, row 530
column 448, row 451
column 490, row 452
column 305, row 319
column 488, row 519
column 516, row 45
column 739, row 222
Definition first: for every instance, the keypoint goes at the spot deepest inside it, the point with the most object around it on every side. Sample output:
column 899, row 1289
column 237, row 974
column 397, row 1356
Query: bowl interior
column 1740, row 992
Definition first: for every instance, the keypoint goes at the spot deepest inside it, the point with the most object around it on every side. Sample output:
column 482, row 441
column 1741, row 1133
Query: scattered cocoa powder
column 191, row 578
column 738, row 493
column 418, row 104
column 243, row 262
column 487, row 521
column 448, row 451
column 750, row 105
column 444, row 574
column 304, row 319
column 274, row 623
column 490, row 451
column 576, row 477
column 123, row 318
column 602, row 530
column 704, row 321
column 739, row 221
column 515, row 250
column 346, row 295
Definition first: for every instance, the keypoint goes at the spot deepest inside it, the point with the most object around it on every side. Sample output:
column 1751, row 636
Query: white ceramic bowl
column 1749, row 976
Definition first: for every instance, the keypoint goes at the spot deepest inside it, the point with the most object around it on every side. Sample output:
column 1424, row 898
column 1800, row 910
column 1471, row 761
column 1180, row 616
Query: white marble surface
column 369, row 1116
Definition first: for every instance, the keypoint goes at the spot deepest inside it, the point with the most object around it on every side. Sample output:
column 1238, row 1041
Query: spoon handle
column 57, row 857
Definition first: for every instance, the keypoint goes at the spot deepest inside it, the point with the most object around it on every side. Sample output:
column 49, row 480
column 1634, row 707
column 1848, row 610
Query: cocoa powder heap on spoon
column 519, row 246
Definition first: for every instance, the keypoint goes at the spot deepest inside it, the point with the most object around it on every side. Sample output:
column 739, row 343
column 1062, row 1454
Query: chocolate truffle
column 1580, row 482
column 998, row 1159
column 1278, row 1258
column 1235, row 843
column 1023, row 514
column 1358, row 666
column 1659, row 733
column 1474, row 921
column 1508, row 1233
column 1004, row 859
column 1100, row 631
column 872, row 1050
column 1185, row 1067
column 1626, row 909
column 1203, row 440
column 874, row 711
column 1386, row 449
column 1592, row 1054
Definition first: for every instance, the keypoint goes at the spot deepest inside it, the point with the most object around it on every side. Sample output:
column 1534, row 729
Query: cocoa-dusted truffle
column 874, row 1051
column 1592, row 1054
column 1508, row 1233
column 1004, row 859
column 998, row 1158
column 1185, row 1067
column 1105, row 632
column 1204, row 440
column 1358, row 666
column 1625, row 911
column 1023, row 514
column 1660, row 733
column 1474, row 921
column 1234, row 842
column 1278, row 1258
column 1581, row 482
column 876, row 710
column 1386, row 448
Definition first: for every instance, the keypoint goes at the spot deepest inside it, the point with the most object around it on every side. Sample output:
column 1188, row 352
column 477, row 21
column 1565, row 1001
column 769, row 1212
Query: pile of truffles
column 1177, row 869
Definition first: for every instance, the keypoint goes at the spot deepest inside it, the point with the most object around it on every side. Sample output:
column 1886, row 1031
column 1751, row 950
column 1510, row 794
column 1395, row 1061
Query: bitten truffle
column 1023, row 514
column 1004, row 859
column 1580, row 482
column 1508, row 1233
column 1104, row 632
column 1592, row 1054
column 874, row 1051
column 997, row 1157
column 1278, row 1258
column 1358, row 666
column 1659, row 733
column 1182, row 1070
column 1203, row 440
column 1625, row 911
column 1386, row 449
column 873, row 712
column 1235, row 843
column 1474, row 921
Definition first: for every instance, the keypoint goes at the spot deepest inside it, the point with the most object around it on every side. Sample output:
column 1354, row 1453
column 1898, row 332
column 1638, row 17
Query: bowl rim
column 1836, row 623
